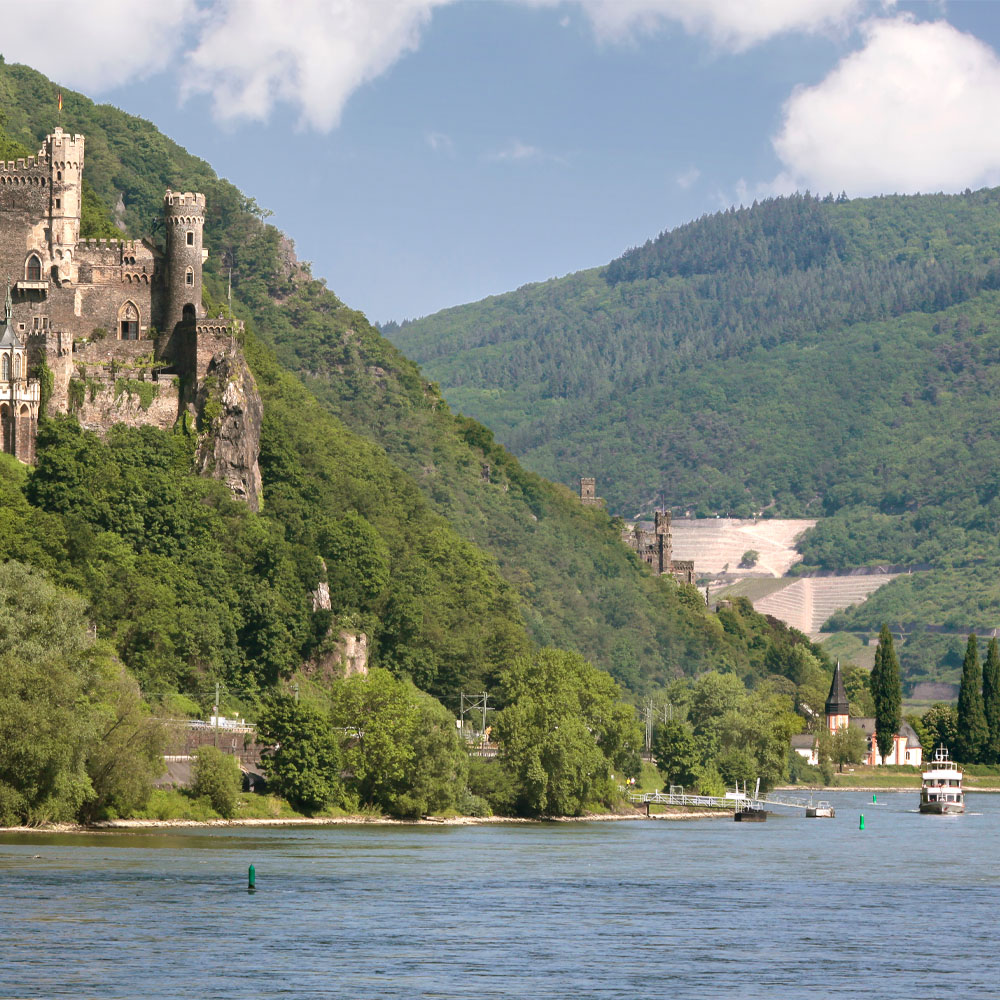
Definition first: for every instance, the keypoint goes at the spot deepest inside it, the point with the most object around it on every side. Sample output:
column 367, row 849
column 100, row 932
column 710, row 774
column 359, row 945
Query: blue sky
column 424, row 153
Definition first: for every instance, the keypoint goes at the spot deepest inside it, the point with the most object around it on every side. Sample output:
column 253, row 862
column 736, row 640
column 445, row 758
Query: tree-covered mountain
column 456, row 570
column 800, row 357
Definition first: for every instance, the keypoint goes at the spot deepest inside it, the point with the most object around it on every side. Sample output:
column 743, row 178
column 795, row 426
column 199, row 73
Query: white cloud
column 109, row 42
column 913, row 110
column 732, row 24
column 310, row 54
column 440, row 142
column 687, row 178
column 517, row 151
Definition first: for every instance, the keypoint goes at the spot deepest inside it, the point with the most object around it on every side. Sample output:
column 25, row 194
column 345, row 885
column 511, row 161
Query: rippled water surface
column 789, row 908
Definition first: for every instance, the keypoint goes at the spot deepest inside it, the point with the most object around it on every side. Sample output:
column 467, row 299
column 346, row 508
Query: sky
column 426, row 153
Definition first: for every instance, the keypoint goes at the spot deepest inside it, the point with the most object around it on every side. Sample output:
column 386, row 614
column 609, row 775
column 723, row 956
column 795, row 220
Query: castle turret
column 664, row 541
column 837, row 707
column 184, row 215
column 65, row 160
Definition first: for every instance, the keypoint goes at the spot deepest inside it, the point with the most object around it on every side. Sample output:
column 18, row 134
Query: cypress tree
column 973, row 733
column 887, row 693
column 991, row 701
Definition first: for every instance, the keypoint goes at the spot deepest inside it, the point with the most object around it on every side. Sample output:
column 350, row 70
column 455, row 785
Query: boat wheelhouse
column 941, row 791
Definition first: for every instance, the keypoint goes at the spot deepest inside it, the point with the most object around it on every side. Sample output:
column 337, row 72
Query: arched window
column 17, row 366
column 33, row 268
column 5, row 369
column 128, row 320
column 189, row 276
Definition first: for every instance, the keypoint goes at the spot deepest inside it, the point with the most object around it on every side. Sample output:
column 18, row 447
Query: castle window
column 58, row 203
column 33, row 268
column 17, row 366
column 190, row 238
column 189, row 276
column 58, row 175
column 5, row 369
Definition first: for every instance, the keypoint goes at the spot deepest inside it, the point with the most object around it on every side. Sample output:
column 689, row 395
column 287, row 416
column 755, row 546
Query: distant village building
column 906, row 748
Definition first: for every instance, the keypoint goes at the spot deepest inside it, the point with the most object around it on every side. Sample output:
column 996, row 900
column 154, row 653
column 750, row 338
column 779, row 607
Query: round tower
column 184, row 215
column 65, row 157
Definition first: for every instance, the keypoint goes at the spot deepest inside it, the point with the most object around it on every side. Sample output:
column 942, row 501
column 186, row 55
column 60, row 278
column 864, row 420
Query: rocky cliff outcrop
column 230, row 412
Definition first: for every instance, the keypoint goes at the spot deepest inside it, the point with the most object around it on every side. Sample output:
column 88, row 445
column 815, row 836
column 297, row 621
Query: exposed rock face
column 343, row 654
column 230, row 413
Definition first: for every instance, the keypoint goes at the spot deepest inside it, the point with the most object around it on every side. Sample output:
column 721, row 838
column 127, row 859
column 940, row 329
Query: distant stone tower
column 184, row 215
column 664, row 550
column 588, row 489
column 837, row 707
column 65, row 161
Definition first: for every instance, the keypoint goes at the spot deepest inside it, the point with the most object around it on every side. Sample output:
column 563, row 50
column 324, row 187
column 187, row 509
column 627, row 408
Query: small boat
column 750, row 815
column 941, row 791
column 822, row 810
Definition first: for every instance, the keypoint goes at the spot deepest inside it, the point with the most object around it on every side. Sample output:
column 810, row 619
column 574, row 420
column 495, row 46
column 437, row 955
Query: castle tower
column 837, row 708
column 588, row 491
column 184, row 215
column 664, row 542
column 65, row 159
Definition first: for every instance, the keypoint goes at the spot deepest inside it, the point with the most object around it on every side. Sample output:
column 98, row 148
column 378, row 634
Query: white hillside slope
column 717, row 543
column 807, row 603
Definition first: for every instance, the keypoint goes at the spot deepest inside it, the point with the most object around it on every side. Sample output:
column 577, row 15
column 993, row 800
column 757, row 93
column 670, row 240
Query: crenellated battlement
column 175, row 202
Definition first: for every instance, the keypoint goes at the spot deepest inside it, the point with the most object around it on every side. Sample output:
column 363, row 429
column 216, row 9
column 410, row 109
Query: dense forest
column 801, row 357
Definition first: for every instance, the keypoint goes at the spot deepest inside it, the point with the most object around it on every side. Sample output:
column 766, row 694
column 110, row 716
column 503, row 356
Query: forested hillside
column 802, row 357
column 458, row 569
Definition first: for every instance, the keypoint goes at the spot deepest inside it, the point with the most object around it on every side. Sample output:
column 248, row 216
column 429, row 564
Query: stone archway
column 128, row 321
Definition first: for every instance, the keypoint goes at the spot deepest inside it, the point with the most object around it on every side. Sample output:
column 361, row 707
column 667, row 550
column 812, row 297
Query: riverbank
column 124, row 825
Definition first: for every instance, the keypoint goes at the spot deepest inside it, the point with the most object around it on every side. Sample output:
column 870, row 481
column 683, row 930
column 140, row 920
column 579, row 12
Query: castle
column 110, row 330
column 655, row 548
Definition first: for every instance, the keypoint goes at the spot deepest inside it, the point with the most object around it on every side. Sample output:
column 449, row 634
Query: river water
column 792, row 907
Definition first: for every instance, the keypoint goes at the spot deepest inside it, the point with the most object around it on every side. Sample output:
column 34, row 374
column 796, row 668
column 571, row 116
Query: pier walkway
column 731, row 801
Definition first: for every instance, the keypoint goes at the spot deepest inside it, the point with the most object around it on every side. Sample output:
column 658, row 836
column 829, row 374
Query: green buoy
column 251, row 879
column 873, row 798
column 861, row 822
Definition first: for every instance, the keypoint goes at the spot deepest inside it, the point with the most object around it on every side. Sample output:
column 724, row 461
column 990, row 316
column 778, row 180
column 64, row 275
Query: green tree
column 991, row 702
column 217, row 777
column 848, row 746
column 305, row 763
column 859, row 695
column 51, row 668
column 939, row 728
column 563, row 732
column 749, row 559
column 127, row 755
column 973, row 732
column 887, row 692
column 675, row 751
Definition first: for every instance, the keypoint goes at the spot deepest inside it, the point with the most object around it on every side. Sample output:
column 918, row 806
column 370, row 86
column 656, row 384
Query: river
column 788, row 908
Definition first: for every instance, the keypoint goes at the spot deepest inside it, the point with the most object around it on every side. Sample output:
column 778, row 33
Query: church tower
column 837, row 708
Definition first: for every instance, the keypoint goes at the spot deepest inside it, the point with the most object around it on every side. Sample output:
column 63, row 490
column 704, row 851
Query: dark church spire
column 836, row 702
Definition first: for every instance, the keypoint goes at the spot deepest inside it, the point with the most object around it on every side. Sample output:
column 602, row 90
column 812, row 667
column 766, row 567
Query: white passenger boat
column 941, row 791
